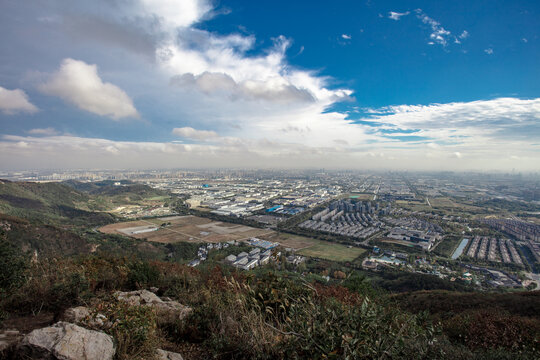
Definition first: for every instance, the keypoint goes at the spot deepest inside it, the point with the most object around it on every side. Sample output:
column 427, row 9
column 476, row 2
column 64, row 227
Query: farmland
column 183, row 228
column 195, row 229
column 330, row 251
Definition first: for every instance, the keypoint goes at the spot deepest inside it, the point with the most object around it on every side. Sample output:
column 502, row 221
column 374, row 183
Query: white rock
column 139, row 297
column 65, row 341
column 168, row 355
column 76, row 314
column 166, row 310
column 83, row 315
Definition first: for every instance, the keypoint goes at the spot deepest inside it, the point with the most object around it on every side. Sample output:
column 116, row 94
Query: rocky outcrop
column 65, row 341
column 167, row 355
column 166, row 310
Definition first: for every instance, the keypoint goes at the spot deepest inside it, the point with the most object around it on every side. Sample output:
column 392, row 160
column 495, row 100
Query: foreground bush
column 134, row 329
column 244, row 315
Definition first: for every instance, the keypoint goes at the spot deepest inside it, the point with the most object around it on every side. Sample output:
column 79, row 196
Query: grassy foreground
column 263, row 315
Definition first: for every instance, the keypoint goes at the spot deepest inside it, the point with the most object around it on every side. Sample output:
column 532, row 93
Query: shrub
column 13, row 266
column 142, row 274
column 134, row 329
column 52, row 285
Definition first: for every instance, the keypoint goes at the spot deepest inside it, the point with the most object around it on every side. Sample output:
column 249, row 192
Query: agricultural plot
column 195, row 229
column 183, row 228
column 446, row 203
column 330, row 251
column 296, row 242
column 447, row 246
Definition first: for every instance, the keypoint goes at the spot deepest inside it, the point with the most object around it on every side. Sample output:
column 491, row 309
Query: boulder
column 167, row 355
column 76, row 314
column 139, row 297
column 65, row 341
column 83, row 315
column 167, row 311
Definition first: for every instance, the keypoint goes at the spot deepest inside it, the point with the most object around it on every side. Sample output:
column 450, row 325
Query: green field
column 447, row 246
column 359, row 196
column 333, row 252
column 447, row 203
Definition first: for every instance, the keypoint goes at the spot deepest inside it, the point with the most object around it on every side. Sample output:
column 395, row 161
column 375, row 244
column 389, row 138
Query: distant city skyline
column 426, row 85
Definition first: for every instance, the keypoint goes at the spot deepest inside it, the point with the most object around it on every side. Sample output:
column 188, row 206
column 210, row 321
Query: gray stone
column 139, row 297
column 76, row 314
column 168, row 355
column 167, row 311
column 65, row 341
column 84, row 316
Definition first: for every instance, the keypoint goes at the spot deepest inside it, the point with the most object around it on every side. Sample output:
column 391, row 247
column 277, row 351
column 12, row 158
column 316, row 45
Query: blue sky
column 428, row 85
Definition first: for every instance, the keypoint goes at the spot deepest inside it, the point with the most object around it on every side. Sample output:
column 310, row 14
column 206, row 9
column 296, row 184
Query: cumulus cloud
column 193, row 56
column 176, row 13
column 489, row 51
column 464, row 34
column 191, row 133
column 396, row 16
column 346, row 36
column 15, row 101
column 79, row 83
column 223, row 84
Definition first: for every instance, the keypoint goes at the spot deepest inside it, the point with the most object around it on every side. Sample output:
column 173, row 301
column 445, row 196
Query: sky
column 382, row 85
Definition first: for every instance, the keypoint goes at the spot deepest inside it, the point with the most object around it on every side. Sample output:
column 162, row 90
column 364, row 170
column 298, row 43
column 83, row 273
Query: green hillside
column 108, row 188
column 47, row 240
column 48, row 203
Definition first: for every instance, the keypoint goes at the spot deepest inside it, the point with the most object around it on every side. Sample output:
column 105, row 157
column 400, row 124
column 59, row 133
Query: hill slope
column 48, row 203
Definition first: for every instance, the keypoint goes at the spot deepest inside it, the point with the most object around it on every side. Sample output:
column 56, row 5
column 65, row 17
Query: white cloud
column 396, row 16
column 488, row 51
column 346, row 36
column 476, row 122
column 464, row 34
column 177, row 13
column 195, row 56
column 223, row 84
column 438, row 34
column 191, row 133
column 79, row 83
column 45, row 131
column 15, row 101
column 525, row 40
